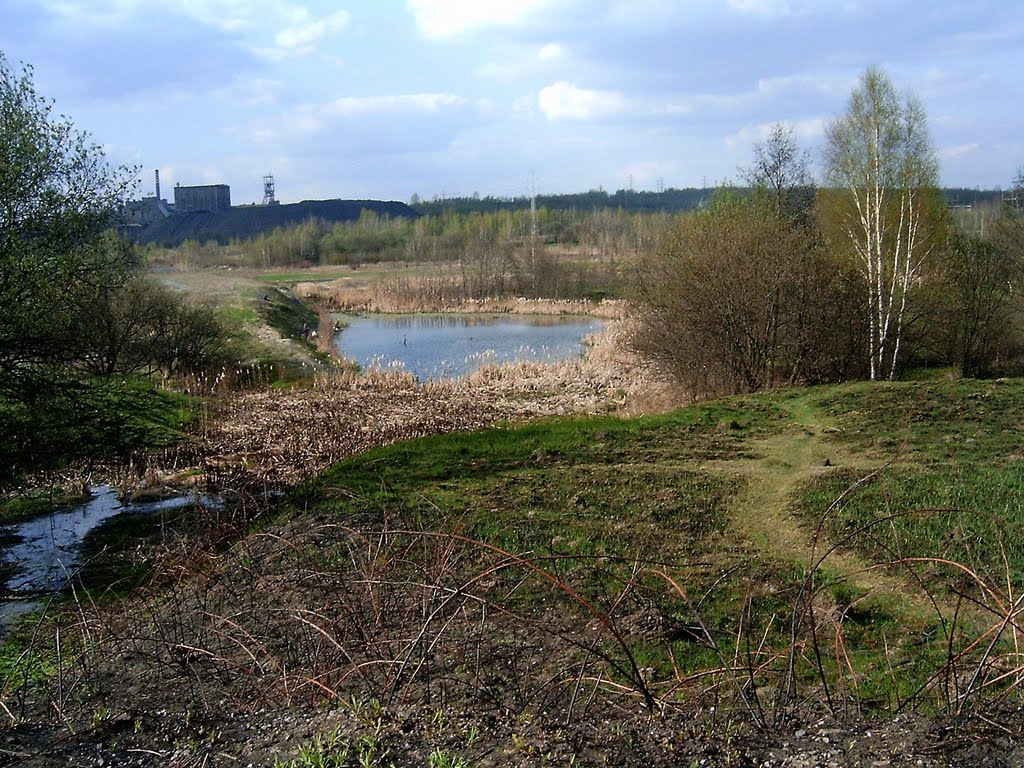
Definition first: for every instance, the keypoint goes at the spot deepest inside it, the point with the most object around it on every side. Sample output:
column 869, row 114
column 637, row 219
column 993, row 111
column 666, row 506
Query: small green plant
column 371, row 751
column 369, row 712
column 624, row 734
column 439, row 720
column 328, row 751
column 99, row 716
column 441, row 758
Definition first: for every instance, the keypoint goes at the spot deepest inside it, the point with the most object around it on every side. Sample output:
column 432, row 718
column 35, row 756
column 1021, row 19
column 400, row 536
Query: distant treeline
column 547, row 254
column 666, row 201
column 570, row 246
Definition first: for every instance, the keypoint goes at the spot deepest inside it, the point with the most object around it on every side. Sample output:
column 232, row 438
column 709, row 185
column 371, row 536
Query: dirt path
column 767, row 513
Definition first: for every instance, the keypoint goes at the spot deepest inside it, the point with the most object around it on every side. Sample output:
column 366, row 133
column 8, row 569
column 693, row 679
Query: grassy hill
column 843, row 551
column 794, row 546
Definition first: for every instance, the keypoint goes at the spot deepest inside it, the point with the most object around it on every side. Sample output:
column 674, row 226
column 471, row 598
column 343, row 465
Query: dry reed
column 338, row 296
column 284, row 436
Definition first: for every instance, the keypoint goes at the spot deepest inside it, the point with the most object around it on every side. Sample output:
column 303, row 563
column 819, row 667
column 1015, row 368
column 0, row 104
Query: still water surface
column 47, row 549
column 449, row 346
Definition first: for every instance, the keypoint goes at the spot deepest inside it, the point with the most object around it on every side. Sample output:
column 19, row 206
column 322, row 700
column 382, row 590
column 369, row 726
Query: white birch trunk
column 880, row 152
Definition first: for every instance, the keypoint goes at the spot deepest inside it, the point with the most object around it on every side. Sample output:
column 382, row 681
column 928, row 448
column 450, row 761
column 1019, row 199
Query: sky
column 386, row 99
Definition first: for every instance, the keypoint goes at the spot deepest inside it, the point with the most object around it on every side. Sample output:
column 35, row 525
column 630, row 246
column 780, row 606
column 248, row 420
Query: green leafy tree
column 58, row 199
column 880, row 153
column 978, row 278
column 63, row 272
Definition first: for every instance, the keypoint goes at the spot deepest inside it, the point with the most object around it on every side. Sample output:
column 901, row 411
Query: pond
column 448, row 346
column 46, row 550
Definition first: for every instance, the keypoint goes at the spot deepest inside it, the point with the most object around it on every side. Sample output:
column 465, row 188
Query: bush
column 738, row 299
column 60, row 421
column 142, row 327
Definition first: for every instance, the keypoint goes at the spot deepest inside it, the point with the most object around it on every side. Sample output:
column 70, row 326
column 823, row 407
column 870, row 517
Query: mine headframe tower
column 268, row 190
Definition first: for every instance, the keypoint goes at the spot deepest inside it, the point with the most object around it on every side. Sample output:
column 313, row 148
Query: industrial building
column 205, row 213
column 211, row 198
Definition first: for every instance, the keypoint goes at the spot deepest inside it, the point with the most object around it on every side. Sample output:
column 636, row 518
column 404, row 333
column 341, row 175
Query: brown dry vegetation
column 283, row 436
column 417, row 295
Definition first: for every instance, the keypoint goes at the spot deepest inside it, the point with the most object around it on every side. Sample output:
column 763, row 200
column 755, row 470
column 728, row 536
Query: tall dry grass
column 338, row 296
column 284, row 436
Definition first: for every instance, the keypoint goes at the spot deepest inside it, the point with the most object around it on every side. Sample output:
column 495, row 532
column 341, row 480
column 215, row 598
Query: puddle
column 47, row 549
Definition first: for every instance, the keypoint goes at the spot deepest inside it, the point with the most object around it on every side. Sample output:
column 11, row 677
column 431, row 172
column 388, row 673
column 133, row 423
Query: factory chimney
column 157, row 172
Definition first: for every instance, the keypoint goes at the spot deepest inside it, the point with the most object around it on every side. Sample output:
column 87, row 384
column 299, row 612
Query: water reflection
column 46, row 550
column 448, row 346
column 472, row 320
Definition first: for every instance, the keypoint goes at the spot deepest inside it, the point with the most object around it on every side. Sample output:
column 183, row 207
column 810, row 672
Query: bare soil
column 258, row 738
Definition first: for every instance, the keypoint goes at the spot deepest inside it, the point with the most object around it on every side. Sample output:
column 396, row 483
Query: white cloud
column 550, row 52
column 809, row 130
column 373, row 113
column 673, row 109
column 305, row 31
column 773, row 8
column 438, row 19
column 644, row 12
column 494, row 70
column 952, row 153
column 250, row 92
column 760, row 7
column 302, row 33
column 804, row 131
column 564, row 101
column 802, row 84
column 226, row 15
column 413, row 102
column 517, row 63
column 294, row 29
column 296, row 126
column 645, row 174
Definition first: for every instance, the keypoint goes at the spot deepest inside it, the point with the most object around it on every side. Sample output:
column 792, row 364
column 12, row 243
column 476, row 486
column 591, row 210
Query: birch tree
column 880, row 153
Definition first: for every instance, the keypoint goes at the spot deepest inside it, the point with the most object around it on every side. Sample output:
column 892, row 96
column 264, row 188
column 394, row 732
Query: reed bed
column 339, row 296
column 284, row 436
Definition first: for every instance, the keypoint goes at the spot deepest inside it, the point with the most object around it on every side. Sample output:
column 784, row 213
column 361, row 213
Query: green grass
column 603, row 472
column 934, row 423
column 332, row 751
column 590, row 499
column 244, row 315
column 287, row 314
column 363, row 273
column 23, row 662
column 321, row 275
column 19, row 508
column 672, row 548
column 972, row 514
column 586, row 500
column 952, row 479
column 87, row 418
